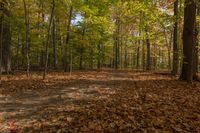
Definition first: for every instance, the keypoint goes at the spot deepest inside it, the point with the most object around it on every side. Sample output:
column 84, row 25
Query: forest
column 95, row 66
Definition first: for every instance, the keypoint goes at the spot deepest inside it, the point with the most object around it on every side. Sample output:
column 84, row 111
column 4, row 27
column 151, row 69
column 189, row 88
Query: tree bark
column 168, row 46
column 81, row 50
column 148, row 66
column 99, row 56
column 91, row 58
column 6, row 39
column 17, row 52
column 196, row 50
column 1, row 44
column 65, row 58
column 188, row 41
column 54, row 44
column 27, row 38
column 175, row 41
column 125, row 57
column 47, row 41
column 117, row 51
column 138, row 57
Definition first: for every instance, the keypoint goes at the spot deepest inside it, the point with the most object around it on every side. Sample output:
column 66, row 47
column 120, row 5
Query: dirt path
column 99, row 102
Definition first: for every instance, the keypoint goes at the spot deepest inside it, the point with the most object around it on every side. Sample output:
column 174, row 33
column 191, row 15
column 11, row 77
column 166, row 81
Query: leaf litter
column 95, row 102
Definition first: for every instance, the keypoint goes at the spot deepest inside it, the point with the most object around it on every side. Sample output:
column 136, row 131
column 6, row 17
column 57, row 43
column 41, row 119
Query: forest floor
column 92, row 102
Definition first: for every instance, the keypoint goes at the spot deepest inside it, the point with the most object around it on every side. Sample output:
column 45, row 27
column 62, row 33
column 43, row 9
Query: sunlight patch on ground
column 88, row 93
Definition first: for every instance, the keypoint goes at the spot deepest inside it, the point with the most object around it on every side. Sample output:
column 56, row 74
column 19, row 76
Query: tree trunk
column 125, row 57
column 42, row 60
column 175, row 41
column 188, row 41
column 138, row 57
column 71, row 59
column 196, row 50
column 116, row 61
column 65, row 58
column 6, row 38
column 81, row 51
column 91, row 58
column 47, row 41
column 1, row 44
column 148, row 67
column 18, row 45
column 99, row 56
column 27, row 38
column 120, row 50
column 143, row 55
column 54, row 44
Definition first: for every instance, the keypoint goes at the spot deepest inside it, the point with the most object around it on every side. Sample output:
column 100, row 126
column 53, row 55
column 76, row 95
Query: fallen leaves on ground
column 95, row 102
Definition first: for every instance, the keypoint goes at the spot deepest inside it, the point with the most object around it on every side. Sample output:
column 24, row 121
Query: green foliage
column 139, row 20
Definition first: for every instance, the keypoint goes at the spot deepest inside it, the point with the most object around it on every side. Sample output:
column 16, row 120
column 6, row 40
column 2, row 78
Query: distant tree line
column 91, row 34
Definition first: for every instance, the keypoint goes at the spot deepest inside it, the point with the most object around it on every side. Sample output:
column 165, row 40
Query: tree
column 1, row 42
column 148, row 66
column 54, row 43
column 196, row 49
column 26, row 12
column 66, row 50
column 6, row 36
column 47, row 41
column 105, row 34
column 188, row 41
column 175, row 40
